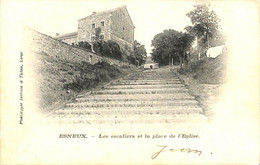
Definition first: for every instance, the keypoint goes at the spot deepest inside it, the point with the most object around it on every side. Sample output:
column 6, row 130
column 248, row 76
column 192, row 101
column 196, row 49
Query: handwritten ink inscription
column 165, row 149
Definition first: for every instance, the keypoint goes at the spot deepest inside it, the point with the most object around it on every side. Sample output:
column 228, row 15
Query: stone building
column 115, row 24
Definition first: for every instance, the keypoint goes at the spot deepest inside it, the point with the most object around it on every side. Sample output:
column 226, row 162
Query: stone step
column 151, row 73
column 130, row 111
column 145, row 80
column 144, row 108
column 133, row 103
column 123, row 116
column 152, row 78
column 143, row 86
column 166, row 77
column 77, row 119
column 148, row 97
column 130, row 104
column 140, row 91
column 144, row 83
column 135, row 97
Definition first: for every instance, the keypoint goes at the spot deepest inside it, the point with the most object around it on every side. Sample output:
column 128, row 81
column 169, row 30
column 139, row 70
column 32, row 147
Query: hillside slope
column 207, row 70
column 210, row 71
column 204, row 80
column 63, row 71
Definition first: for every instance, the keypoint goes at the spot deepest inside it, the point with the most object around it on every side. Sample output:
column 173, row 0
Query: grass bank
column 60, row 81
column 204, row 80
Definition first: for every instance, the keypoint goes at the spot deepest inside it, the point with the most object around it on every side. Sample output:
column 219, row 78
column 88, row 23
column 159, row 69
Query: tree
column 108, row 48
column 112, row 49
column 132, row 59
column 205, row 23
column 97, row 34
column 84, row 45
column 184, row 43
column 171, row 45
column 164, row 50
column 98, row 42
column 139, row 52
column 98, row 47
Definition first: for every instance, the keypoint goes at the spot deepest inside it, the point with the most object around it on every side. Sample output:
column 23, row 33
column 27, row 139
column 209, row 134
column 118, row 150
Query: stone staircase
column 151, row 96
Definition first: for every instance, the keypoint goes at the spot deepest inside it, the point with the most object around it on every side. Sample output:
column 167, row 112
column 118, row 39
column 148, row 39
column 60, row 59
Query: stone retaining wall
column 38, row 42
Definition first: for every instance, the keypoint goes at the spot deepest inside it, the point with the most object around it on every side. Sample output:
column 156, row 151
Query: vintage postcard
column 129, row 82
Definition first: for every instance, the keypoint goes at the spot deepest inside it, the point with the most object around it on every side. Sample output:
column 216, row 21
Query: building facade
column 115, row 25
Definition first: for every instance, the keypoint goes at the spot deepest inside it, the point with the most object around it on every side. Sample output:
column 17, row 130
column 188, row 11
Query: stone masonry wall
column 85, row 30
column 117, row 27
column 42, row 43
column 122, row 28
column 70, row 40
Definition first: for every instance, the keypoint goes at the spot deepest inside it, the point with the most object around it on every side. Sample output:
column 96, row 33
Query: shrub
column 114, row 48
column 108, row 48
column 182, row 71
column 84, row 45
column 91, row 75
column 98, row 46
column 132, row 59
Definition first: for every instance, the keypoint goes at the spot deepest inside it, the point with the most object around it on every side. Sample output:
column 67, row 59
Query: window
column 123, row 38
column 102, row 23
column 93, row 25
column 123, row 28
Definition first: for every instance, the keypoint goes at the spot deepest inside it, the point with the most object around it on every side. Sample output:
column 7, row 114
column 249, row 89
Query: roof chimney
column 94, row 12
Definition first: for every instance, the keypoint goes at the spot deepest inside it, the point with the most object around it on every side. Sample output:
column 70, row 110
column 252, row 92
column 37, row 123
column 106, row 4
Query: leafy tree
column 205, row 23
column 217, row 39
column 132, row 59
column 84, row 45
column 184, row 44
column 97, row 34
column 139, row 52
column 112, row 49
column 98, row 46
column 163, row 46
column 171, row 45
column 108, row 48
column 98, row 43
column 105, row 48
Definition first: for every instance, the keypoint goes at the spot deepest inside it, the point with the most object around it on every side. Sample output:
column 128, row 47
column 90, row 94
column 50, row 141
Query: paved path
column 151, row 96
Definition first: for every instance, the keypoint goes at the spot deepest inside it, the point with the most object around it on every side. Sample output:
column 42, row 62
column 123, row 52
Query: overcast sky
column 149, row 17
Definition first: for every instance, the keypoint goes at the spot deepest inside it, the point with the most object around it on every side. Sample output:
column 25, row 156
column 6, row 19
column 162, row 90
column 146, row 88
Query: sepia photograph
column 100, row 73
column 129, row 82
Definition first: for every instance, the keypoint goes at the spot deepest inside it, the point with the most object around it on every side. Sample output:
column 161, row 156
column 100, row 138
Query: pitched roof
column 67, row 35
column 104, row 12
column 107, row 12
